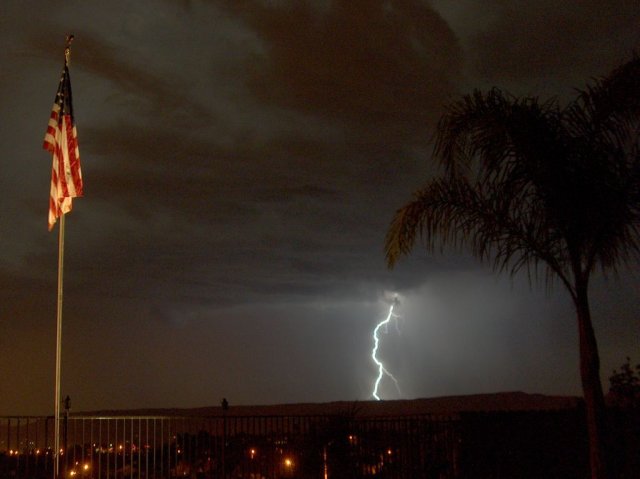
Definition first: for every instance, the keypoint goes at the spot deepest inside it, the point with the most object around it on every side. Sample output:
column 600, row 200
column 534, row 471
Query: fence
column 256, row 447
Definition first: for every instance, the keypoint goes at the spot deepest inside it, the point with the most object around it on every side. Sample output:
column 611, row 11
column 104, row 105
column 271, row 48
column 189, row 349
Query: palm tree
column 530, row 185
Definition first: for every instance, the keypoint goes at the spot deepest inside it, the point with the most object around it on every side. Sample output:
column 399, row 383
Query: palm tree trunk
column 591, row 385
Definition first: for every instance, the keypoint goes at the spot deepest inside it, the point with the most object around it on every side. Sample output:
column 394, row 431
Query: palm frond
column 495, row 226
column 530, row 185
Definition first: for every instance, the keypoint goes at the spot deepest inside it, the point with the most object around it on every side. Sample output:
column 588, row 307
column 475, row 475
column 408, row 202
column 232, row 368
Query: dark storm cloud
column 19, row 307
column 544, row 45
column 25, row 337
column 551, row 36
column 389, row 63
column 242, row 160
column 254, row 206
column 153, row 158
column 157, row 96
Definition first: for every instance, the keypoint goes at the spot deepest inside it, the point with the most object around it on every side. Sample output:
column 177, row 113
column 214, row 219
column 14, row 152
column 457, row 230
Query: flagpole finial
column 67, row 49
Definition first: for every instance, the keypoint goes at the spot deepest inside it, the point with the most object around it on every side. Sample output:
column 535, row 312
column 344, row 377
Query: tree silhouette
column 531, row 185
column 624, row 386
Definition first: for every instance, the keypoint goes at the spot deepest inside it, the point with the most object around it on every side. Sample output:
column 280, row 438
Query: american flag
column 62, row 141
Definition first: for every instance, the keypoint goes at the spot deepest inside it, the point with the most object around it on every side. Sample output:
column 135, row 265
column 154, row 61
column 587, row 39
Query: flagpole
column 56, row 456
column 58, row 395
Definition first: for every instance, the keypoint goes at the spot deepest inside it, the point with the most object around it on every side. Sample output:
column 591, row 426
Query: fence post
column 225, row 408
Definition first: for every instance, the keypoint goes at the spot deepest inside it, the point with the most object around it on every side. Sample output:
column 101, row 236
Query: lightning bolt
column 382, row 371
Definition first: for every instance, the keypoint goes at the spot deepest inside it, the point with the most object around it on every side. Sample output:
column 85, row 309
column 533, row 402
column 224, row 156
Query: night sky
column 242, row 161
